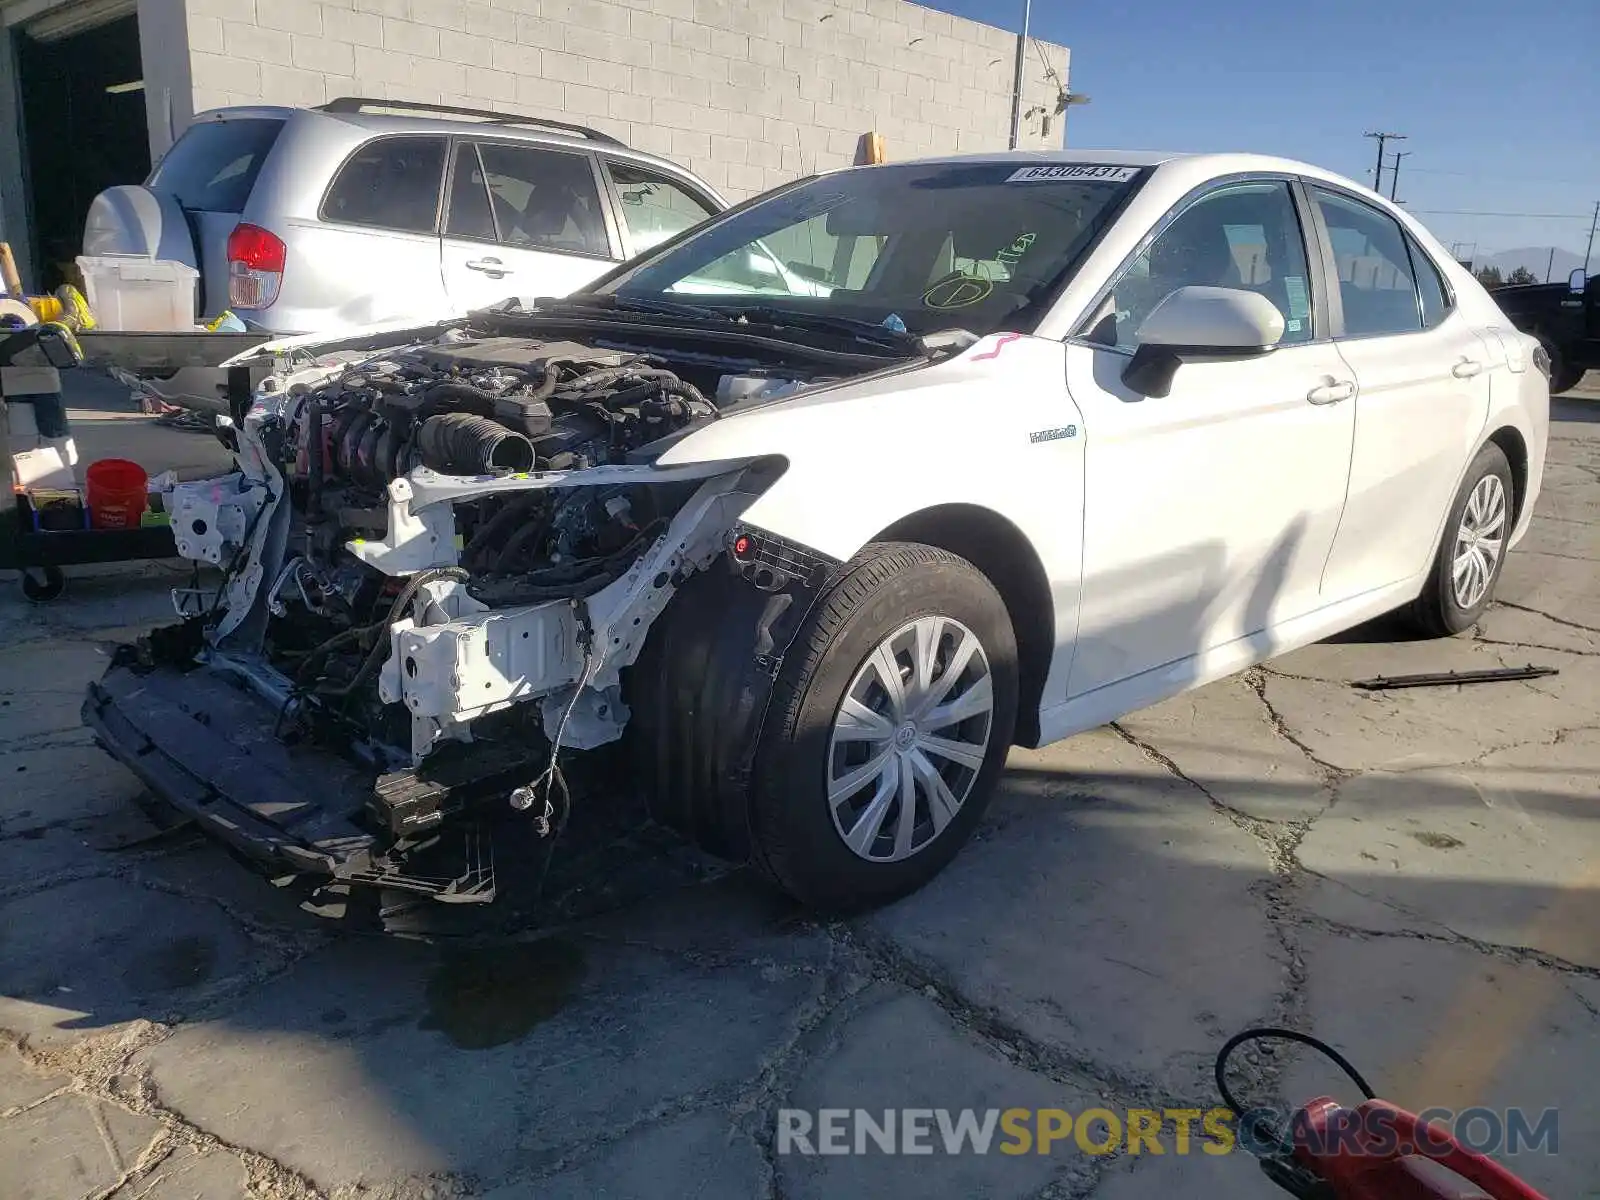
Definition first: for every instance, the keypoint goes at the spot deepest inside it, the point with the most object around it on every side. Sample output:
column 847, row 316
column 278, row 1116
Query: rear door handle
column 1332, row 391
column 1466, row 368
column 489, row 266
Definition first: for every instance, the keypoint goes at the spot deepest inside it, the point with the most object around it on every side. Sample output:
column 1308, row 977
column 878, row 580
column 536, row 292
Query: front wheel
column 1473, row 549
column 888, row 729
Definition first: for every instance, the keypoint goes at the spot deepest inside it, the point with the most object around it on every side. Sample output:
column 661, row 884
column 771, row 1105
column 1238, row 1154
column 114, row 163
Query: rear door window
column 1436, row 302
column 213, row 166
column 470, row 215
column 545, row 199
column 391, row 183
column 1378, row 290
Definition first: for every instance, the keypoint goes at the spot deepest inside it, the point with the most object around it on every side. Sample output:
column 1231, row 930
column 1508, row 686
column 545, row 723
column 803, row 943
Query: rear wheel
column 888, row 729
column 1563, row 375
column 1472, row 551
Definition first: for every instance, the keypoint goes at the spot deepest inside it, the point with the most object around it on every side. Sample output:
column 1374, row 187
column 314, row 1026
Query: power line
column 1499, row 178
column 1471, row 212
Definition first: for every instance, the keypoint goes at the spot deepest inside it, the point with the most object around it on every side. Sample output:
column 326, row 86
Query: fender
column 993, row 428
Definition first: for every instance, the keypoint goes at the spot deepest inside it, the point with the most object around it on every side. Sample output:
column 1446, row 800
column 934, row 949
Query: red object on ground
column 117, row 493
column 1370, row 1152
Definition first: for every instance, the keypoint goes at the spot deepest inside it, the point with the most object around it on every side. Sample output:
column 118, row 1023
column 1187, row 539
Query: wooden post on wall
column 870, row 150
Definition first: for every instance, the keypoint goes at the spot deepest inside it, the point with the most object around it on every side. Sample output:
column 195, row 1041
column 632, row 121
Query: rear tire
column 859, row 734
column 1563, row 376
column 1472, row 551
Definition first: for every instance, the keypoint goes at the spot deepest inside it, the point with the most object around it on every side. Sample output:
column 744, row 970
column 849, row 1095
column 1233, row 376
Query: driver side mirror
column 1197, row 324
column 1577, row 281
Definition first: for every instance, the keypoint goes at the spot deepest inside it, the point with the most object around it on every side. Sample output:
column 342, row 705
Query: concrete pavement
column 1411, row 874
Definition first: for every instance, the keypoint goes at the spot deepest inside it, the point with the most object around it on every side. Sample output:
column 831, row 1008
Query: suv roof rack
column 359, row 104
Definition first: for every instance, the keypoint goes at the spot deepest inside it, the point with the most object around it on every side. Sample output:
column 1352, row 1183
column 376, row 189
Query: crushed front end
column 438, row 559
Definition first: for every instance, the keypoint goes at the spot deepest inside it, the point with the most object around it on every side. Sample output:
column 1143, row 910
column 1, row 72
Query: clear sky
column 1500, row 98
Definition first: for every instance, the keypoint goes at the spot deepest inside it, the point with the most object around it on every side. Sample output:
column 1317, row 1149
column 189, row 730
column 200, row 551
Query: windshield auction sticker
column 1057, row 172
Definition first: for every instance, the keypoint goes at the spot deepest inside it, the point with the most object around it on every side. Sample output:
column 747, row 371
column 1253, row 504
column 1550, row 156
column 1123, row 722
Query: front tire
column 1473, row 550
column 888, row 729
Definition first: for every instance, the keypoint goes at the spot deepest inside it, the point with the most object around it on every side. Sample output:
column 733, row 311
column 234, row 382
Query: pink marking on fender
column 1001, row 340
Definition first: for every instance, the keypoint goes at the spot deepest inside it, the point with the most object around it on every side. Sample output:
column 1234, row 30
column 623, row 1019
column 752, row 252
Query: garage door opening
column 83, row 129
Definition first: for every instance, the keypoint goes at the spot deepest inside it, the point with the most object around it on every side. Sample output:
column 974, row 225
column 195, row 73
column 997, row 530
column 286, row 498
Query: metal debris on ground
column 1384, row 683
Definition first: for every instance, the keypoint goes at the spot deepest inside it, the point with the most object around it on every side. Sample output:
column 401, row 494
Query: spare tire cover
column 133, row 219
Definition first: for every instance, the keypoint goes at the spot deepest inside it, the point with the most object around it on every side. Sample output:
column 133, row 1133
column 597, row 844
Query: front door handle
column 1466, row 368
column 489, row 266
column 1331, row 392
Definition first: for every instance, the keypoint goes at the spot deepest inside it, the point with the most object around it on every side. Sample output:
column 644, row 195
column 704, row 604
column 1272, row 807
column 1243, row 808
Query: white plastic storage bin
column 129, row 292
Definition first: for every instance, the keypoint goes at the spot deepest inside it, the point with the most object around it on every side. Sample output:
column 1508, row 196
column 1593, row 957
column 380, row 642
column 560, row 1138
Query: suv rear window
column 393, row 183
column 213, row 166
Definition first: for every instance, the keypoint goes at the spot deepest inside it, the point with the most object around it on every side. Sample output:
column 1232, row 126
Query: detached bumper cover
column 206, row 746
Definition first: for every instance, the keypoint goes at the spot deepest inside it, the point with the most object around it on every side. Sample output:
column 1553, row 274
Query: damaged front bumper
column 206, row 744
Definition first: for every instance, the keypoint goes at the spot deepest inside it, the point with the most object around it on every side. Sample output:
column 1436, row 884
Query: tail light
column 255, row 266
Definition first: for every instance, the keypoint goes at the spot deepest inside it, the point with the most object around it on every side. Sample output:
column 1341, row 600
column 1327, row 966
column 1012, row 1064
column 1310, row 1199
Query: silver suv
column 365, row 211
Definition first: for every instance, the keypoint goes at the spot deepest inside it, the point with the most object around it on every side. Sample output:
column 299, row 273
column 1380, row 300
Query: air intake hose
column 462, row 444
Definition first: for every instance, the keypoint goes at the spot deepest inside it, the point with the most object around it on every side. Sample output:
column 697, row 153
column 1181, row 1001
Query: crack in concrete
column 1523, row 955
column 1082, row 1179
column 890, row 962
column 1265, row 832
column 1278, row 895
column 1256, row 678
column 103, row 1068
column 754, row 1111
column 1548, row 616
column 1489, row 641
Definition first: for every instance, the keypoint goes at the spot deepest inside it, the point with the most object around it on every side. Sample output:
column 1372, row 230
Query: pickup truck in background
column 1565, row 317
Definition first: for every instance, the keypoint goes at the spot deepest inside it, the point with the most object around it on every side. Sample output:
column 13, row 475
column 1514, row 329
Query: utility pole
column 1377, row 174
column 1022, row 63
column 1587, row 250
column 1550, row 264
column 1394, row 179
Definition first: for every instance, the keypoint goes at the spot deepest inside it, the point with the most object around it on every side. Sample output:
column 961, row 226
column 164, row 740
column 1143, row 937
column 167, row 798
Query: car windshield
column 920, row 246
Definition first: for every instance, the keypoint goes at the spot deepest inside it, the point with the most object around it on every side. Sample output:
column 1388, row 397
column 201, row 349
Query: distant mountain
column 1535, row 258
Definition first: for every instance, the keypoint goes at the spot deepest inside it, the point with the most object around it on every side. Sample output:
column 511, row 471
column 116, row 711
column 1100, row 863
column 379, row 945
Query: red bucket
column 117, row 493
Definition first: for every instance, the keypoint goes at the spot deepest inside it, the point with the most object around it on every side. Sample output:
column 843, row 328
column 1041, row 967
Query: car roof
column 509, row 125
column 1197, row 163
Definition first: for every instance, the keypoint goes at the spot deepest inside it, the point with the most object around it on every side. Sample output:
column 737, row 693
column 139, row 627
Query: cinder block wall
column 748, row 95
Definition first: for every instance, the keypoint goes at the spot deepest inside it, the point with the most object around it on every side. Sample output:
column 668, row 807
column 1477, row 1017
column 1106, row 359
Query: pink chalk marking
column 1001, row 340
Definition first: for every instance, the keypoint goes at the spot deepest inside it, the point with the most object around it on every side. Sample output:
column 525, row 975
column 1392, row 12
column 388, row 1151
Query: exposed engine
column 501, row 404
column 482, row 409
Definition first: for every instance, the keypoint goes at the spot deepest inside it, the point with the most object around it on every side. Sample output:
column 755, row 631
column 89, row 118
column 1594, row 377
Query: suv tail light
column 255, row 266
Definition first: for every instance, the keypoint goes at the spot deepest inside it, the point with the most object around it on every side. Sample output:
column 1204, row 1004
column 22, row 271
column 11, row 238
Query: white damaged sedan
column 815, row 510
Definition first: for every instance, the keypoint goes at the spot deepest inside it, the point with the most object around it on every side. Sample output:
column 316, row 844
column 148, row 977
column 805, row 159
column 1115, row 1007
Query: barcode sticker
column 1057, row 172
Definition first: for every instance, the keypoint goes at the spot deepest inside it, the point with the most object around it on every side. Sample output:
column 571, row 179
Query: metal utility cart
column 31, row 360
